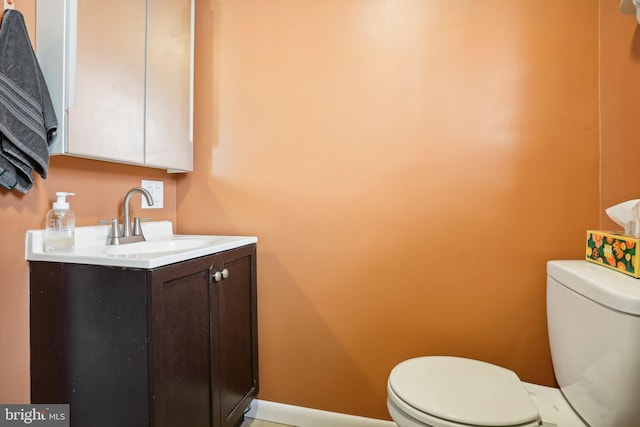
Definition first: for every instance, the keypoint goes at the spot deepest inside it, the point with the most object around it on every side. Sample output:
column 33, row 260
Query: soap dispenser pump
column 59, row 233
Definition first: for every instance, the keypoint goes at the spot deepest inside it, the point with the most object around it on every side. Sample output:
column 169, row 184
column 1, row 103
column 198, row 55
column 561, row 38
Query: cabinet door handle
column 219, row 275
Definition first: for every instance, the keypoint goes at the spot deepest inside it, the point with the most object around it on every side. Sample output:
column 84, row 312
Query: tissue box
column 614, row 250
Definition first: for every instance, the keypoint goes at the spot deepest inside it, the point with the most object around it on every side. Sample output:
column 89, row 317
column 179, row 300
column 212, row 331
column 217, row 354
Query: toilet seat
column 447, row 391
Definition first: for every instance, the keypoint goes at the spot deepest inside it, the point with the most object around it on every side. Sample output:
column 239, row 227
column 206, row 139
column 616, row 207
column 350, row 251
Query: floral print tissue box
column 614, row 250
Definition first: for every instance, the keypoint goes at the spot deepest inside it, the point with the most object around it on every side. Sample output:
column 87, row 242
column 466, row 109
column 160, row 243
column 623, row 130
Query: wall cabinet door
column 169, row 85
column 107, row 118
column 120, row 79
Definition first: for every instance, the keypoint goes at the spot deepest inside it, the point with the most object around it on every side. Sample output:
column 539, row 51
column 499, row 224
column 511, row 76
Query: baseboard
column 308, row 417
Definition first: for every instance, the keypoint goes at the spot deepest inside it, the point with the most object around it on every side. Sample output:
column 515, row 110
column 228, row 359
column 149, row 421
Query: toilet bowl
column 593, row 314
column 440, row 391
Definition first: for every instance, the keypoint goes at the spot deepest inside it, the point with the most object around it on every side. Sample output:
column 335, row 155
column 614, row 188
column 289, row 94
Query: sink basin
column 167, row 245
column 162, row 247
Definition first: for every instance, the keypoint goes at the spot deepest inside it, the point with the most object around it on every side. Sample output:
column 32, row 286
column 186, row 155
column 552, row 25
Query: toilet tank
column 593, row 316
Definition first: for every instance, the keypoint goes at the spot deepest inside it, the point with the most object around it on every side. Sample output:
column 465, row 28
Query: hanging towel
column 27, row 118
column 7, row 174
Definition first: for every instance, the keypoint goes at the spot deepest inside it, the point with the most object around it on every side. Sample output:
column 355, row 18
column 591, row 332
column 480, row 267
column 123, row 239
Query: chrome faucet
column 117, row 237
column 126, row 219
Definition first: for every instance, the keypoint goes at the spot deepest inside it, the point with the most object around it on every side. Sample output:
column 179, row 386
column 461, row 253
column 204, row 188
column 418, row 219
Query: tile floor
column 251, row 422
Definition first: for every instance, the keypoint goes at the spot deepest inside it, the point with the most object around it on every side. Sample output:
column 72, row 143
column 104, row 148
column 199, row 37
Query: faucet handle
column 114, row 231
column 137, row 228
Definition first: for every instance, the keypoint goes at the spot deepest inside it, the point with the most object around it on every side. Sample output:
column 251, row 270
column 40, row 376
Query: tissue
column 631, row 7
column 627, row 215
column 617, row 249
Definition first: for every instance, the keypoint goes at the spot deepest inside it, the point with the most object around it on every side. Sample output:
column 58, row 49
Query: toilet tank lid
column 600, row 284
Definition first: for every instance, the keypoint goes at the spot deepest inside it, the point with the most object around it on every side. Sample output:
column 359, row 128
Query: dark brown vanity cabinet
column 171, row 346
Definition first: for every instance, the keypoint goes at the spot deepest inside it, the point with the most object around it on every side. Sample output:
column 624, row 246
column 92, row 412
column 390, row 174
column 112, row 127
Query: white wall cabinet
column 121, row 79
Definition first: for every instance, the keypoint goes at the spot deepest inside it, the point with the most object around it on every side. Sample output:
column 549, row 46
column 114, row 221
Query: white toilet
column 593, row 316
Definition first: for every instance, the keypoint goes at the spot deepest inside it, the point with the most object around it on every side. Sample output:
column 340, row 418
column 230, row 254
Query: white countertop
column 162, row 247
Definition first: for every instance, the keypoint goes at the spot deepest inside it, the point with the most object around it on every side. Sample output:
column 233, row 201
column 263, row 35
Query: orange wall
column 620, row 101
column 408, row 167
column 100, row 188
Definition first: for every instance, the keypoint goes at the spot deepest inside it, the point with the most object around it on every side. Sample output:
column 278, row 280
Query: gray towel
column 27, row 118
column 7, row 174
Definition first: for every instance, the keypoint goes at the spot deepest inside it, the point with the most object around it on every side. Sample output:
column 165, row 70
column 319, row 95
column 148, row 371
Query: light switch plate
column 156, row 188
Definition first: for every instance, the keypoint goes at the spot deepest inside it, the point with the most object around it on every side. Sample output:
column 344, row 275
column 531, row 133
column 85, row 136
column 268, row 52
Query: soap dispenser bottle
column 59, row 233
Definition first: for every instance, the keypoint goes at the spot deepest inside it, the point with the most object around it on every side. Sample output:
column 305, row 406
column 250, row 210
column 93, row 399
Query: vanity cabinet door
column 234, row 314
column 179, row 345
column 204, row 341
